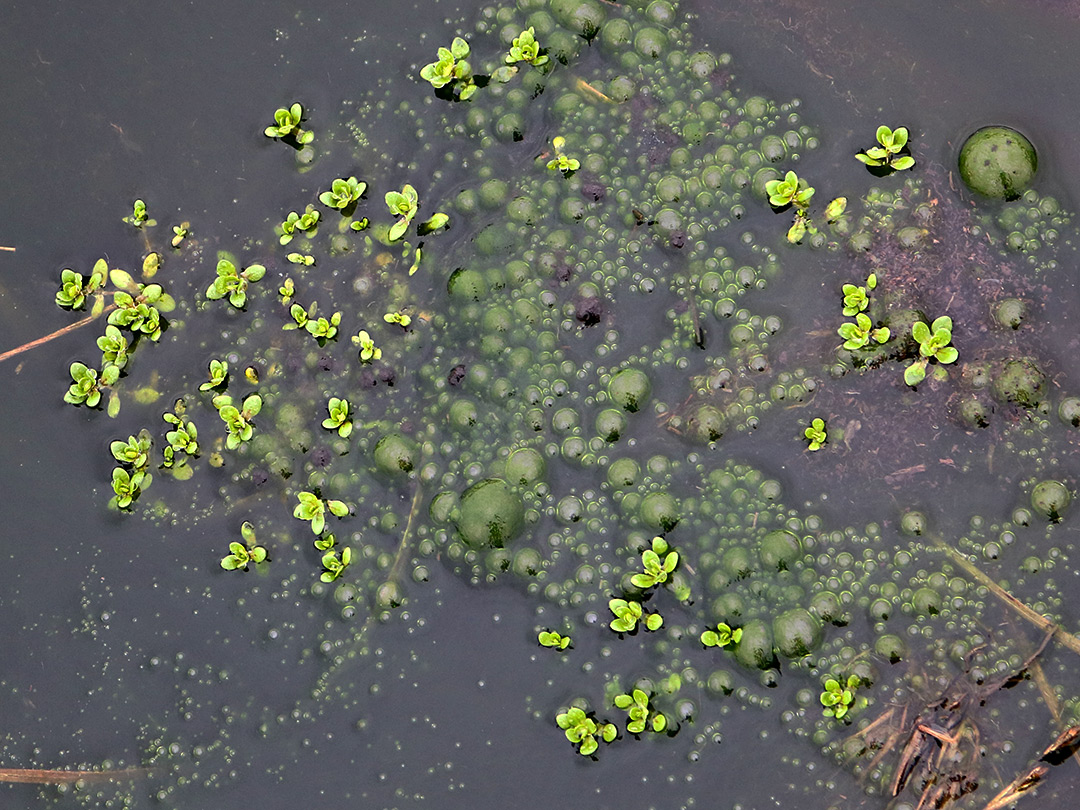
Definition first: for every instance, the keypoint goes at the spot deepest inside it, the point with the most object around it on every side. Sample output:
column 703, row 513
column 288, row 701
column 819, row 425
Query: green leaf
column 902, row 163
column 915, row 373
column 920, row 331
column 899, row 139
column 884, row 135
column 947, row 355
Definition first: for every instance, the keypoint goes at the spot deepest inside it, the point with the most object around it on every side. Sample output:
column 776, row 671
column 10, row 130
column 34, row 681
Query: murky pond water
column 584, row 405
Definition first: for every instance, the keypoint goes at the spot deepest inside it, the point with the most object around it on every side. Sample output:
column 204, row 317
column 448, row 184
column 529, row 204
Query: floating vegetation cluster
column 546, row 377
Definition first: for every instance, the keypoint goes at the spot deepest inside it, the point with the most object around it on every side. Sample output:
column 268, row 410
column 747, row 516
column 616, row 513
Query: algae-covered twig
column 1040, row 621
column 40, row 776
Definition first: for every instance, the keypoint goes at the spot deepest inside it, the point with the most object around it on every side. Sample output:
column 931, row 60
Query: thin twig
column 37, row 776
column 71, row 327
column 9, row 249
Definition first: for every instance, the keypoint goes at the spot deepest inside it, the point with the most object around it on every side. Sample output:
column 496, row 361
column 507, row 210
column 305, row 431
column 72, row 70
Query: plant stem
column 9, row 249
column 33, row 344
column 1043, row 623
column 38, row 776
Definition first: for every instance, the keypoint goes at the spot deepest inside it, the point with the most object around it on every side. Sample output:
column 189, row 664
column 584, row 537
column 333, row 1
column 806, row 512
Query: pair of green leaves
column 561, row 162
column 240, row 554
column 551, row 638
column 287, row 125
column 582, row 730
column 838, row 698
column 641, row 716
column 629, row 613
column 313, row 509
column 933, row 343
column 887, row 153
column 233, row 283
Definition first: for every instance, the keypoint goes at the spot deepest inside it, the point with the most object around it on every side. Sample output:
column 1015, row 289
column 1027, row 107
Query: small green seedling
column 300, row 316
column 322, row 329
column 139, row 217
column 293, row 222
column 856, row 299
column 550, row 638
column 399, row 317
column 402, row 204
column 301, row 258
column 658, row 563
column 526, row 49
column 334, row 565
column 86, row 386
column 135, row 452
column 238, row 420
column 858, row 334
column 138, row 306
column 452, row 69
column 815, row 434
column 287, row 125
column 437, row 221
column 325, row 542
column 933, row 343
column 114, row 347
column 76, row 288
column 339, row 417
column 892, row 142
column 243, row 553
column 789, row 191
column 360, row 224
column 180, row 233
column 287, row 290
column 234, row 284
column 128, row 485
column 562, row 163
column 722, row 636
column 183, row 438
column 343, row 193
column 219, row 373
column 582, row 730
column 640, row 715
column 629, row 613
column 368, row 350
column 838, row 699
column 313, row 509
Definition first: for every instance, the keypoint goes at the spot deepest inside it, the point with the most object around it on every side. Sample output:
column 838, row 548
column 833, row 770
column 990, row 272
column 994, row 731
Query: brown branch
column 9, row 249
column 38, row 776
column 71, row 327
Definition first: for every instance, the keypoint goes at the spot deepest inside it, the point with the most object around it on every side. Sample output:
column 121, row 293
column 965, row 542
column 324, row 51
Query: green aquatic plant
column 582, row 730
column 343, row 193
column 139, row 216
column 313, row 509
column 287, row 290
column 838, row 699
column 451, row 70
column 398, row 317
column 76, row 288
column 339, row 417
column 219, row 373
column 238, row 420
column 934, row 345
column 402, row 204
column 803, row 224
column 368, row 350
column 891, row 143
column 138, row 306
column 240, row 554
column 856, row 299
column 86, row 384
column 629, row 613
column 180, row 233
column 815, row 434
column 127, row 486
column 293, row 222
column 135, row 452
column 551, row 638
column 360, row 224
column 526, row 49
column 334, row 563
column 562, row 162
column 658, row 563
column 114, row 347
column 233, row 283
column 301, row 258
column 287, row 125
column 300, row 316
column 857, row 334
column 790, row 191
column 640, row 714
column 436, row 222
column 183, row 438
column 320, row 328
column 722, row 636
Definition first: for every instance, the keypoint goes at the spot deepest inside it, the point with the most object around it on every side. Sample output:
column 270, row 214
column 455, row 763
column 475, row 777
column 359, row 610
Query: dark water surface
column 121, row 634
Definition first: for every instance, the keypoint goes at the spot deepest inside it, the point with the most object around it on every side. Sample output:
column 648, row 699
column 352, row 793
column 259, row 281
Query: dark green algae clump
column 581, row 348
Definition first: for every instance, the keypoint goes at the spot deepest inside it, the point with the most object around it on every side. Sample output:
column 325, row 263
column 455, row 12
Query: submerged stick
column 9, row 249
column 38, row 776
column 71, row 327
column 1037, row 619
